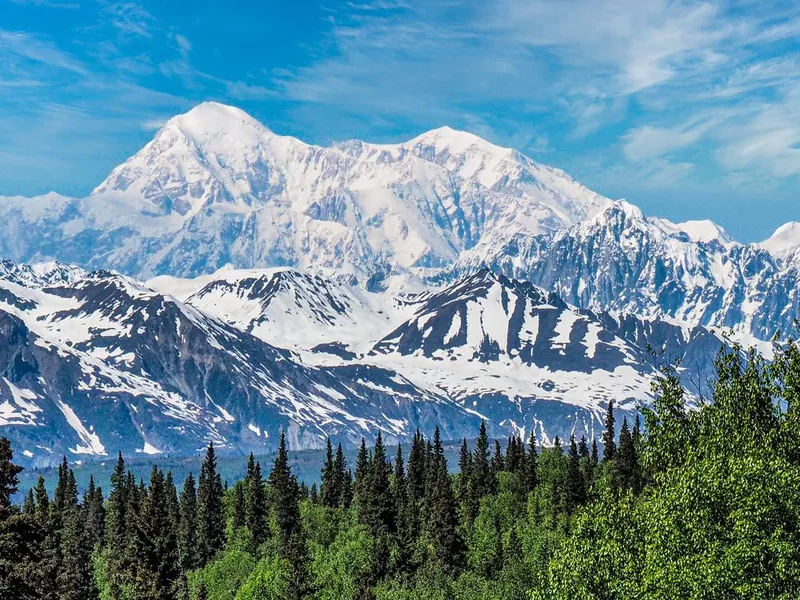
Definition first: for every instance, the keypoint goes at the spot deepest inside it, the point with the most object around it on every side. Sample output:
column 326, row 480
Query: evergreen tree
column 362, row 471
column 74, row 579
column 42, row 501
column 344, row 483
column 441, row 521
column 158, row 558
column 238, row 516
column 94, row 513
column 313, row 494
column 9, row 478
column 467, row 500
column 173, row 504
column 187, row 527
column 399, row 478
column 483, row 481
column 330, row 494
column 583, row 449
column 576, row 492
column 20, row 537
column 609, row 446
column 407, row 525
column 29, row 505
column 498, row 460
column 515, row 454
column 119, row 523
column 416, row 465
column 210, row 517
column 256, row 503
column 376, row 505
column 594, row 457
column 284, row 501
column 627, row 463
column 531, row 473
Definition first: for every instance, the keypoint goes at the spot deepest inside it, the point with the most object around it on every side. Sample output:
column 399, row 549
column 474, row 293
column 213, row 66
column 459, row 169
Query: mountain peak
column 705, row 231
column 215, row 119
column 784, row 241
column 456, row 141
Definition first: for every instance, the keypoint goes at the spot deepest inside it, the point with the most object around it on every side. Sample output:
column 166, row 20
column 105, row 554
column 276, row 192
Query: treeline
column 699, row 502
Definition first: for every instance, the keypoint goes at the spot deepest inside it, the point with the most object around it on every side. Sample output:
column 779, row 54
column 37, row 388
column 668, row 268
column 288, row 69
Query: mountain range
column 226, row 282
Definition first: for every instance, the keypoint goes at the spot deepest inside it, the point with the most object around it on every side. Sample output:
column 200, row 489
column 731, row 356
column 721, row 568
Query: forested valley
column 693, row 500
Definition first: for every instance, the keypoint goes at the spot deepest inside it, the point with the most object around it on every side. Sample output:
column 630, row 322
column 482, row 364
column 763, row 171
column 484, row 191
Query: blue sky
column 688, row 109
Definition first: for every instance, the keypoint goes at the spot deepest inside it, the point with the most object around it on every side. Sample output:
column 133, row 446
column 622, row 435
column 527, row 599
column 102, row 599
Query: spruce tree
column 627, row 463
column 609, row 446
column 9, row 478
column 483, row 481
column 344, row 483
column 74, row 578
column 158, row 558
column 329, row 492
column 313, row 494
column 583, row 448
column 637, row 431
column 531, row 465
column 466, row 499
column 210, row 516
column 20, row 537
column 594, row 457
column 284, row 502
column 576, row 492
column 407, row 527
column 94, row 513
column 362, row 471
column 29, row 505
column 498, row 460
column 173, row 505
column 42, row 500
column 256, row 503
column 416, row 465
column 116, row 525
column 515, row 454
column 441, row 521
column 376, row 505
column 238, row 511
column 187, row 527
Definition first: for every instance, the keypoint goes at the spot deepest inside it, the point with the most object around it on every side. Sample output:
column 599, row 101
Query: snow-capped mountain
column 216, row 187
column 106, row 363
column 785, row 240
column 343, row 290
column 620, row 260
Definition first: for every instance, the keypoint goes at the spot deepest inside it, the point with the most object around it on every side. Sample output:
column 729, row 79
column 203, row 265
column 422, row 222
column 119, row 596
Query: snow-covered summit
column 216, row 187
column 784, row 241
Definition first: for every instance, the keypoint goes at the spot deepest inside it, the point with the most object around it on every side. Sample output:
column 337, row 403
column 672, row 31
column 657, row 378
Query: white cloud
column 153, row 124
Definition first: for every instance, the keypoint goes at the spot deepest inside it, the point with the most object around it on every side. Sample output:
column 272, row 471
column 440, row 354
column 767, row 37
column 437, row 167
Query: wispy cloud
column 129, row 18
column 20, row 46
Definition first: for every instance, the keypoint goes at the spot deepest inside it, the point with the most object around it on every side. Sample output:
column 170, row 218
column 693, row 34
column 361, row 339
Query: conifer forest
column 693, row 499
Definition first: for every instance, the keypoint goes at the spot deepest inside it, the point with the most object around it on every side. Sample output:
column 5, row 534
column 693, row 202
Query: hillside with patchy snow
column 99, row 362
